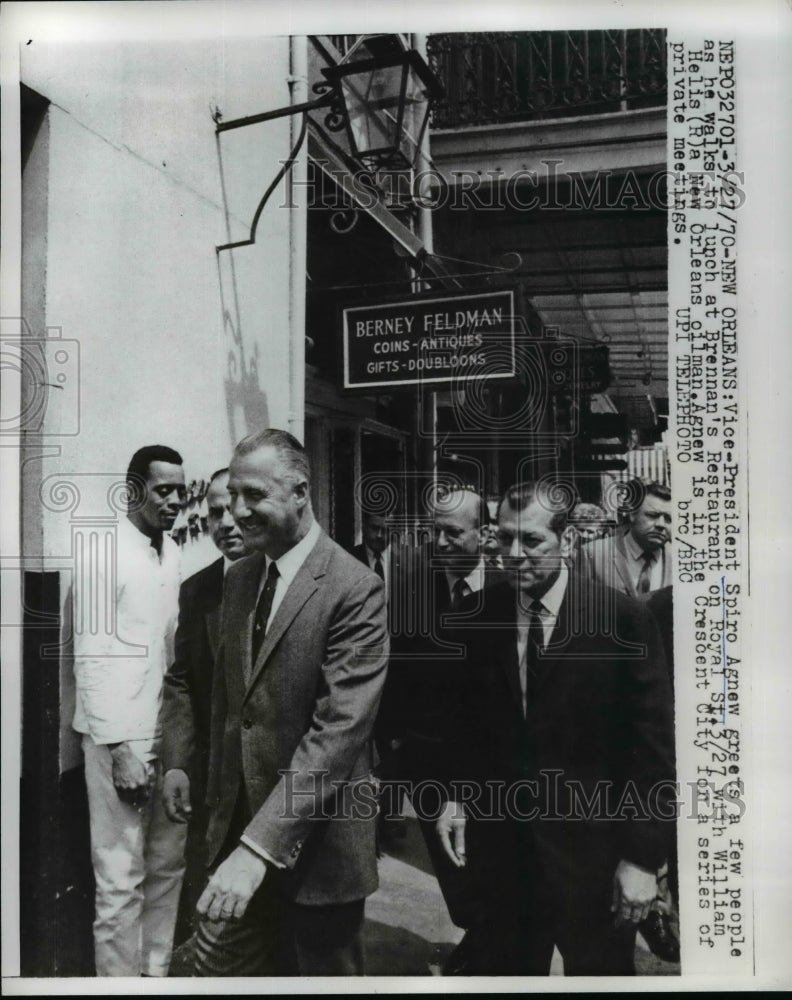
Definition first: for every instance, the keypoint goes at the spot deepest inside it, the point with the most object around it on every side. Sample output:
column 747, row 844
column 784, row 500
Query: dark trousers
column 277, row 937
column 418, row 764
column 588, row 942
column 533, row 906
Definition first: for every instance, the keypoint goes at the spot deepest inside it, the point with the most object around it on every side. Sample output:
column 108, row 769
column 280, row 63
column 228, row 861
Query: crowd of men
column 510, row 676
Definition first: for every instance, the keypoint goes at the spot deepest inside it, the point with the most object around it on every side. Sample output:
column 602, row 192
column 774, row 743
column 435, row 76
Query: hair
column 287, row 447
column 483, row 514
column 143, row 457
column 659, row 490
column 369, row 515
column 587, row 512
column 522, row 495
column 216, row 475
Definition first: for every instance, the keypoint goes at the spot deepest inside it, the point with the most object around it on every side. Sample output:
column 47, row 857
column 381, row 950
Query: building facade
column 186, row 286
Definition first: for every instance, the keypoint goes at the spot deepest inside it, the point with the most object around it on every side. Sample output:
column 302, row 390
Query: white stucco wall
column 177, row 344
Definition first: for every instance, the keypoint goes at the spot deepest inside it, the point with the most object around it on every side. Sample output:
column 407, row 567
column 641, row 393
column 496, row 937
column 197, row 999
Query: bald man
column 425, row 668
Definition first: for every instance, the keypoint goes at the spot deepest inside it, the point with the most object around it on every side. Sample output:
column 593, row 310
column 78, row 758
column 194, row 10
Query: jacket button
column 247, row 724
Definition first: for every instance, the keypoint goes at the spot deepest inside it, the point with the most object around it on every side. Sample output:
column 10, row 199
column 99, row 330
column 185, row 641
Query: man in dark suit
column 299, row 672
column 376, row 550
column 437, row 581
column 187, row 692
column 636, row 559
column 378, row 553
column 425, row 668
column 562, row 757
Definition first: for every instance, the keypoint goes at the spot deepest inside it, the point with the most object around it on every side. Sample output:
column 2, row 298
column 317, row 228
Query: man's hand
column 634, row 890
column 231, row 887
column 450, row 827
column 131, row 777
column 176, row 795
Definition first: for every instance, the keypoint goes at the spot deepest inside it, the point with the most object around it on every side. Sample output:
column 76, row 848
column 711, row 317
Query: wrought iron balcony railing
column 520, row 76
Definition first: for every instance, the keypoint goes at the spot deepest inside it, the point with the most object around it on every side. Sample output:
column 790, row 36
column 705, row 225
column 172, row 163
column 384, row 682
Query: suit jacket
column 397, row 558
column 598, row 712
column 187, row 691
column 608, row 560
column 425, row 659
column 661, row 605
column 292, row 731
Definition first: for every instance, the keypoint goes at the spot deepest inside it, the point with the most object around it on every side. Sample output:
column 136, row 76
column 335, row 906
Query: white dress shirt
column 474, row 581
column 288, row 566
column 125, row 614
column 384, row 558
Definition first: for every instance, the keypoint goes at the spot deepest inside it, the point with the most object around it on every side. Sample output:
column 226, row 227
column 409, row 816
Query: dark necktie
column 459, row 592
column 644, row 576
column 263, row 609
column 533, row 648
column 378, row 567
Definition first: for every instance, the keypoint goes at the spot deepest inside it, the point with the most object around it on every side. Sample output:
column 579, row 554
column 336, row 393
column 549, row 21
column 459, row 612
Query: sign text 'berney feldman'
column 425, row 340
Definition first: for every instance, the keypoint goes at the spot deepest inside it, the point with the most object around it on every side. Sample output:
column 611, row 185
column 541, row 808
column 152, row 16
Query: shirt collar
column 551, row 601
column 290, row 562
column 634, row 549
column 372, row 556
column 139, row 539
column 474, row 579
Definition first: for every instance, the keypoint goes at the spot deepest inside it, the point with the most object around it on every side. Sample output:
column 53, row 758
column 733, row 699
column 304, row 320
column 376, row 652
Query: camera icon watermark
column 48, row 369
column 544, row 375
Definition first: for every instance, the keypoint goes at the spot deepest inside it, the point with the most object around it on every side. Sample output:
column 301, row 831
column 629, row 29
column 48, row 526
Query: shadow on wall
column 246, row 404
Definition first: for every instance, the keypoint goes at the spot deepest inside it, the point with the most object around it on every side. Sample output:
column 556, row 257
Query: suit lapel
column 248, row 596
column 668, row 577
column 621, row 564
column 213, row 618
column 501, row 628
column 570, row 624
column 300, row 590
column 212, row 608
column 511, row 666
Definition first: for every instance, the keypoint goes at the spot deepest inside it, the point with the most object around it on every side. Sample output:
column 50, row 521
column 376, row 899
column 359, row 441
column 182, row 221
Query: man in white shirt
column 138, row 855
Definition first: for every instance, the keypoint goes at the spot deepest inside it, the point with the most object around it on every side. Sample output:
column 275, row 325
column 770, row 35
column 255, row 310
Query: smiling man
column 298, row 678
column 565, row 707
column 138, row 855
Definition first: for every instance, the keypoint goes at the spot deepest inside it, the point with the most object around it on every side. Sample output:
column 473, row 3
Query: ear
column 568, row 539
column 301, row 491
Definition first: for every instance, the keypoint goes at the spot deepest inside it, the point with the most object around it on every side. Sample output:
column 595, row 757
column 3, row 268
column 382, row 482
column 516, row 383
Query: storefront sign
column 429, row 340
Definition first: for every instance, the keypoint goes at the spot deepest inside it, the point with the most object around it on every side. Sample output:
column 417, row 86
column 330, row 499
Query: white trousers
column 138, row 861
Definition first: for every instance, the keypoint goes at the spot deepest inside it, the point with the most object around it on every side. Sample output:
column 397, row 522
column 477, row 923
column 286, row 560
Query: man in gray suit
column 299, row 673
column 636, row 559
